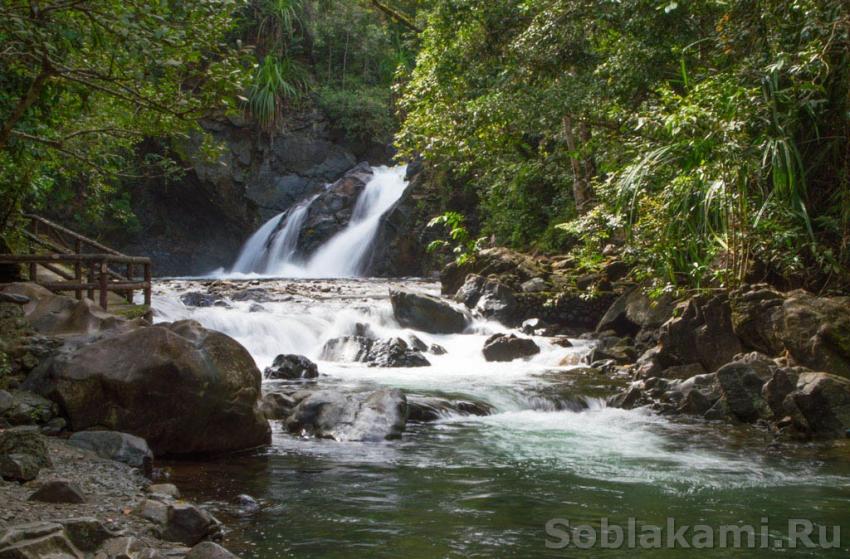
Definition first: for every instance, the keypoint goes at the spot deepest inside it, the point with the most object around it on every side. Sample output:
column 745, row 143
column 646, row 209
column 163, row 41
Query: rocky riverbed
column 380, row 415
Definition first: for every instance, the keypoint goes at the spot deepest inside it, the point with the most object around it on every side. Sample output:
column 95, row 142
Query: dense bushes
column 713, row 134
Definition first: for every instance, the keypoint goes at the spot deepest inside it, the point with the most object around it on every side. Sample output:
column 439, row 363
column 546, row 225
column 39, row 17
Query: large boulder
column 181, row 387
column 741, row 385
column 503, row 347
column 757, row 317
column 426, row 313
column 291, row 367
column 816, row 332
column 374, row 416
column 121, row 447
column 634, row 311
column 489, row 299
column 824, row 401
column 702, row 334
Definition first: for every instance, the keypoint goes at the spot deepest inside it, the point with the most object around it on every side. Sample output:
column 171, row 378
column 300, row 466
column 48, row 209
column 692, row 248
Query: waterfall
column 273, row 243
column 271, row 250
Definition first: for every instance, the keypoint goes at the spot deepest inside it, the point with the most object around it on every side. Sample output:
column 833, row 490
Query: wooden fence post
column 90, row 281
column 104, row 284
column 78, row 269
column 148, row 284
column 129, row 294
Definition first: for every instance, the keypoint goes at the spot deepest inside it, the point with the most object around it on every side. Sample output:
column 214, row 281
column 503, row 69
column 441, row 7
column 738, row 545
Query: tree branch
column 25, row 102
column 396, row 15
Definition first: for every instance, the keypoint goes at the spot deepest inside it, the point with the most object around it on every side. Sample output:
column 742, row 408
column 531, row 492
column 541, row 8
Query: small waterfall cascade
column 271, row 251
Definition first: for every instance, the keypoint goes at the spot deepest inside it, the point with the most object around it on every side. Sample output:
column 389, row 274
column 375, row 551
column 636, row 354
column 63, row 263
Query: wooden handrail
column 90, row 270
column 38, row 258
column 73, row 234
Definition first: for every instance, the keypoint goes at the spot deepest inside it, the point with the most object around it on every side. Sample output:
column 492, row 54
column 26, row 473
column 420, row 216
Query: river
column 485, row 486
column 549, row 453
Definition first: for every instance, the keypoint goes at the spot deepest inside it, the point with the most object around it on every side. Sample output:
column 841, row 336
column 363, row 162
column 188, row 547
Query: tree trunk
column 583, row 168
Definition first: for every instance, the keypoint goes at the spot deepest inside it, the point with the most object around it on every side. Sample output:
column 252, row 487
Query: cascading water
column 475, row 486
column 547, row 447
column 273, row 242
column 271, row 250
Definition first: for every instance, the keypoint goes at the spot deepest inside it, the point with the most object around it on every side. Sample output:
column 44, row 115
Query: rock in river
column 291, row 367
column 426, row 313
column 181, row 387
column 502, row 347
column 372, row 416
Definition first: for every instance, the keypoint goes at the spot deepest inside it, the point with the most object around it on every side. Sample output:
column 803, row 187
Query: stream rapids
column 467, row 486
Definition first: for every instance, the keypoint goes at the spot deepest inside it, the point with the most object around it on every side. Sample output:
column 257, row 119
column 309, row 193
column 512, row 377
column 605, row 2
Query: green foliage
column 461, row 243
column 714, row 135
column 83, row 83
column 362, row 113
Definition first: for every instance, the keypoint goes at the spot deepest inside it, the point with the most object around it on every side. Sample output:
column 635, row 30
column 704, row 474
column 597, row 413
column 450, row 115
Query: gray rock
column 469, row 293
column 683, row 371
column 165, row 489
column 702, row 334
column 198, row 299
column 374, row 416
column 209, row 550
column 23, row 452
column 433, row 408
column 535, row 285
column 59, row 491
column 816, row 332
column 824, row 401
column 276, row 405
column 634, row 311
column 393, row 352
column 87, row 533
column 112, row 445
column 154, row 510
column 497, row 302
column 502, row 347
column 36, row 540
column 126, row 547
column 741, row 385
column 291, row 367
column 14, row 298
column 18, row 467
column 189, row 524
column 245, row 505
column 331, row 211
column 426, row 313
column 437, row 349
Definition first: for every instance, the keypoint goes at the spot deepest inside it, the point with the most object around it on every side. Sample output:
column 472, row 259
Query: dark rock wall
column 199, row 222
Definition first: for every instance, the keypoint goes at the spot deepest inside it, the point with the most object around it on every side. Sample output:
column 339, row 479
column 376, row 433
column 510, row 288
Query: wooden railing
column 91, row 264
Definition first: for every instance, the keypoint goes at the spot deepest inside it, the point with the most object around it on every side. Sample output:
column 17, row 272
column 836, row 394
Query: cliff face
column 198, row 223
